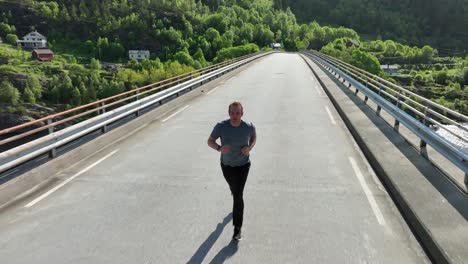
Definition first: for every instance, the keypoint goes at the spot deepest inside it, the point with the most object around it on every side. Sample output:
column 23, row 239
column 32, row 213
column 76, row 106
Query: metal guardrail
column 415, row 112
column 141, row 98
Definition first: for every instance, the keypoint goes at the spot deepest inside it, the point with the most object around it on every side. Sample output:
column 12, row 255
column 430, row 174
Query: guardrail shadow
column 205, row 247
column 451, row 193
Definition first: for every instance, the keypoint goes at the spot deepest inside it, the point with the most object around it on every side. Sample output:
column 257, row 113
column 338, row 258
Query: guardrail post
column 103, row 110
column 398, row 100
column 396, row 126
column 423, row 149
column 378, row 110
column 423, row 144
column 137, row 113
column 50, row 130
column 366, row 99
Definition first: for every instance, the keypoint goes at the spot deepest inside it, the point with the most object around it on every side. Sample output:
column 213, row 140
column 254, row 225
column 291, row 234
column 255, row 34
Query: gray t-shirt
column 236, row 138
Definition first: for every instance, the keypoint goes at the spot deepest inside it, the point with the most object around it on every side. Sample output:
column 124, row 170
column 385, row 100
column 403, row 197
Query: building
column 391, row 69
column 42, row 54
column 33, row 40
column 275, row 45
column 352, row 43
column 139, row 54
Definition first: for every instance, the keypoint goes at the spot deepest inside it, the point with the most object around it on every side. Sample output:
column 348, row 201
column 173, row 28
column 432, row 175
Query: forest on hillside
column 441, row 24
column 182, row 35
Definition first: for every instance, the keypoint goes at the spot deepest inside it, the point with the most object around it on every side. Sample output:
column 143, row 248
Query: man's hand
column 245, row 151
column 225, row 149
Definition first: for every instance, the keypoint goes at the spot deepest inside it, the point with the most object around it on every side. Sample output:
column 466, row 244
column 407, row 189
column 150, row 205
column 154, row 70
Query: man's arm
column 212, row 143
column 252, row 141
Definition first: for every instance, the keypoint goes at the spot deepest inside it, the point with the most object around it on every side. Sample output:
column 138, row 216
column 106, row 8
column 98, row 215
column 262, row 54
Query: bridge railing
column 415, row 112
column 98, row 115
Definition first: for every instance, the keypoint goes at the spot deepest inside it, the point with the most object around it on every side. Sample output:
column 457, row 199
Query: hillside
column 442, row 24
column 181, row 36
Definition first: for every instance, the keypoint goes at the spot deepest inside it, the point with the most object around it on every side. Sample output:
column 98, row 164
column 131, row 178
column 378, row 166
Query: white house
column 391, row 69
column 34, row 40
column 275, row 45
column 139, row 54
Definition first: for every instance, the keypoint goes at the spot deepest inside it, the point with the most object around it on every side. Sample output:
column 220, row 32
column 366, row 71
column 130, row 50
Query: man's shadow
column 228, row 251
column 205, row 247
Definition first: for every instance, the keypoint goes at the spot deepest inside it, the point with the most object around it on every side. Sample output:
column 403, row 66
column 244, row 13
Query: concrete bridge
column 330, row 182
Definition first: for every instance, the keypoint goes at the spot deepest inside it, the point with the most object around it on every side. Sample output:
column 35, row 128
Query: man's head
column 235, row 111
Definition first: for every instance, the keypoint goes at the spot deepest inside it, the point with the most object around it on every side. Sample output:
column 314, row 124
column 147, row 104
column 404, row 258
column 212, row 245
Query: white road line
column 369, row 195
column 133, row 132
column 368, row 166
column 105, row 147
column 171, row 116
column 38, row 199
column 330, row 115
column 212, row 90
column 163, row 114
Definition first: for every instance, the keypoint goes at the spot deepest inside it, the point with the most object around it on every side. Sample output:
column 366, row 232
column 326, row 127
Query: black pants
column 236, row 178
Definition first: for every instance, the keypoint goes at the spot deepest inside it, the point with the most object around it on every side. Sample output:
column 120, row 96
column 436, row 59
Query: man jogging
column 237, row 140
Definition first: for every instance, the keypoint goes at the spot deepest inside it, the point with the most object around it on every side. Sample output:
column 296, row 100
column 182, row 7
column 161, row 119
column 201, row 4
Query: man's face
column 235, row 113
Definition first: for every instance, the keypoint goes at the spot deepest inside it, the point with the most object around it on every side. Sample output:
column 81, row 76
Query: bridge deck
column 159, row 196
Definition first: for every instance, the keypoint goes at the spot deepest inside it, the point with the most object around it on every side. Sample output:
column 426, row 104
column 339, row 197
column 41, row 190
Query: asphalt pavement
column 159, row 196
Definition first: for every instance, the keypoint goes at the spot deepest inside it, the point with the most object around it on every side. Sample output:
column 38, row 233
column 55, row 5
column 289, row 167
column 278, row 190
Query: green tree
column 116, row 51
column 66, row 90
column 200, row 57
column 33, row 84
column 427, row 53
column 465, row 75
column 44, row 9
column 83, row 92
column 217, row 21
column 184, row 58
column 11, row 39
column 290, row 44
column 64, row 15
column 366, row 61
column 94, row 64
column 75, row 96
column 28, row 96
column 89, row 47
column 102, row 47
column 440, row 77
column 8, row 93
column 263, row 36
column 4, row 29
column 54, row 8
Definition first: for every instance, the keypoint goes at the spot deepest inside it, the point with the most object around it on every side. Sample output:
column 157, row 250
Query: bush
column 234, row 52
column 69, row 58
column 419, row 78
column 428, row 79
column 8, row 93
column 440, row 77
column 95, row 64
column 366, row 61
column 5, row 29
column 438, row 66
column 11, row 39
